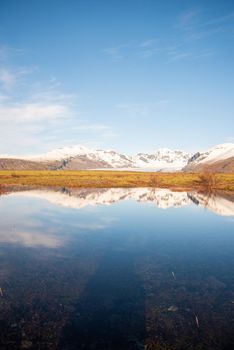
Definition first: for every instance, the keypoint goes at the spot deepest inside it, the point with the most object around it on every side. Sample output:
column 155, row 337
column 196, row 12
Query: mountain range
column 219, row 158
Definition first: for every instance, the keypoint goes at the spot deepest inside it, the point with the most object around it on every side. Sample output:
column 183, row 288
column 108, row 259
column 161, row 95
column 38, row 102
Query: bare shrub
column 14, row 174
column 154, row 180
column 208, row 180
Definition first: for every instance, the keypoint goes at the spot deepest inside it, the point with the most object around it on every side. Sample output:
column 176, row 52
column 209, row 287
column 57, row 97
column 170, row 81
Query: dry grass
column 105, row 179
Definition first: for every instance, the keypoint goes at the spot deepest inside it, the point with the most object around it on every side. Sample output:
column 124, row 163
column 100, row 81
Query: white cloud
column 33, row 112
column 92, row 127
column 171, row 51
column 190, row 26
column 143, row 49
column 3, row 97
column 147, row 43
column 187, row 18
column 10, row 77
column 142, row 109
column 196, row 24
column 7, row 78
column 7, row 52
column 42, row 115
column 29, row 112
column 115, row 53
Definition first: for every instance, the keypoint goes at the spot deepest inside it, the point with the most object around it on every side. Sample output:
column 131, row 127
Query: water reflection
column 112, row 269
column 27, row 218
column 219, row 203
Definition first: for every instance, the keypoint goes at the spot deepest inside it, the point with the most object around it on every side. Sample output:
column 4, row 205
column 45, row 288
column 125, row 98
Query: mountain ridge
column 81, row 157
column 219, row 158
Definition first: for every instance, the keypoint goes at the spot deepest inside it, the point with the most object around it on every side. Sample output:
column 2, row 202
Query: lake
column 122, row 269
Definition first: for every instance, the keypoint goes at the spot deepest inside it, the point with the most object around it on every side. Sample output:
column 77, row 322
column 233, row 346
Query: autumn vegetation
column 106, row 179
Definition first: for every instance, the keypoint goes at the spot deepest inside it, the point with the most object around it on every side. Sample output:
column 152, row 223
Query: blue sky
column 130, row 75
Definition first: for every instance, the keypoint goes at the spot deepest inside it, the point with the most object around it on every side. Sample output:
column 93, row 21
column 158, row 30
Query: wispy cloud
column 169, row 52
column 29, row 112
column 229, row 139
column 115, row 52
column 32, row 113
column 142, row 109
column 10, row 73
column 10, row 77
column 7, row 79
column 196, row 24
column 93, row 127
column 34, row 106
column 190, row 26
column 147, row 43
column 188, row 18
column 7, row 52
column 142, row 49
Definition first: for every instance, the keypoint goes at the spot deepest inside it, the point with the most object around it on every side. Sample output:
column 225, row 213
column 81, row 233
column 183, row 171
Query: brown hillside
column 19, row 164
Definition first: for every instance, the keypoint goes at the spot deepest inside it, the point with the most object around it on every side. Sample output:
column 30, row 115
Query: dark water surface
column 122, row 269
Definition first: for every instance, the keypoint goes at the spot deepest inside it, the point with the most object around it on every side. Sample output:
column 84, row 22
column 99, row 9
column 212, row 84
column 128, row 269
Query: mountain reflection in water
column 112, row 269
column 221, row 204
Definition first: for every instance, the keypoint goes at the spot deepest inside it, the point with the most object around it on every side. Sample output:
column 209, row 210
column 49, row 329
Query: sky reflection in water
column 116, row 269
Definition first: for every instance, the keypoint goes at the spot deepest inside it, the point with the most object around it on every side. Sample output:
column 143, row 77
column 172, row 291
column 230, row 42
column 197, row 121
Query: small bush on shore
column 208, row 180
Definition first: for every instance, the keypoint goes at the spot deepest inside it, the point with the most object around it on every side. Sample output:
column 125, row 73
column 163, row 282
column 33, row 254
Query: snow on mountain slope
column 159, row 160
column 215, row 155
column 114, row 159
column 56, row 154
column 163, row 158
column 62, row 153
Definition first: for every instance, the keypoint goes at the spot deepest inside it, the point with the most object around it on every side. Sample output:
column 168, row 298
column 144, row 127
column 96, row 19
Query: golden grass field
column 106, row 179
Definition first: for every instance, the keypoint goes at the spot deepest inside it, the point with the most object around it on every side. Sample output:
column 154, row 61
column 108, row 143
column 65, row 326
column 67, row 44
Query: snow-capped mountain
column 112, row 158
column 162, row 158
column 56, row 154
column 81, row 157
column 218, row 158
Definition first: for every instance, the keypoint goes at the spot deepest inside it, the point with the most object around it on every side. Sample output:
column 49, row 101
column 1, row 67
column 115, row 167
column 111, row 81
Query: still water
column 116, row 269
